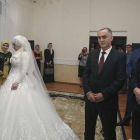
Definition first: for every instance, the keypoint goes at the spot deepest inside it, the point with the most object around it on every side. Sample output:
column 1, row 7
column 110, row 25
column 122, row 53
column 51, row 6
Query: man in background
column 135, row 85
column 128, row 56
column 130, row 96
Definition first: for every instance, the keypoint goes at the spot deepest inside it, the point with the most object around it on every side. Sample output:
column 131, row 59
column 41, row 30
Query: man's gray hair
column 105, row 28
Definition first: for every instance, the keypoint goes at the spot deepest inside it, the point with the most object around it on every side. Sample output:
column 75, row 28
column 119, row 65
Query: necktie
column 101, row 62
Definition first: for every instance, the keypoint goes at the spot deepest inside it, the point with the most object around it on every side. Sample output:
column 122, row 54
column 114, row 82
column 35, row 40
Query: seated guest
column 38, row 56
column 4, row 61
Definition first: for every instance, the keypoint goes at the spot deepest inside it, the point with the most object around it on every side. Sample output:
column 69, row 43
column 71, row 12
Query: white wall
column 65, row 23
column 119, row 15
column 14, row 19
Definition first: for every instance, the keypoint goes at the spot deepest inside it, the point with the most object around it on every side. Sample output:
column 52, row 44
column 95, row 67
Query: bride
column 26, row 111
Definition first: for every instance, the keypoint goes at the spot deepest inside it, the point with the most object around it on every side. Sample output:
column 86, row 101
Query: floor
column 76, row 89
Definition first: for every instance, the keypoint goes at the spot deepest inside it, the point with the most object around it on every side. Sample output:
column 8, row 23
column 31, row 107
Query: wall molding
column 66, row 62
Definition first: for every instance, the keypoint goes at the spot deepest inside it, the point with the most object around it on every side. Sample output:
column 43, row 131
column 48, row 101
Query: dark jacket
column 135, row 55
column 109, row 81
column 135, row 82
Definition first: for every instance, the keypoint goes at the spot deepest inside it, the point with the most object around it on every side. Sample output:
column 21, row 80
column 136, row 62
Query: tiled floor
column 76, row 89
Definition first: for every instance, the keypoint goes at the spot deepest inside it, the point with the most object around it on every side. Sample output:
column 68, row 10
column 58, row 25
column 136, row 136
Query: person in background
column 114, row 47
column 135, row 55
column 38, row 56
column 124, row 48
column 4, row 61
column 98, row 46
column 82, row 63
column 48, row 64
column 128, row 56
column 135, row 85
column 120, row 49
column 92, row 46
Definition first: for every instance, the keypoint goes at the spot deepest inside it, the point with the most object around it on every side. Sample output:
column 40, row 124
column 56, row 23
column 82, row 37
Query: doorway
column 118, row 42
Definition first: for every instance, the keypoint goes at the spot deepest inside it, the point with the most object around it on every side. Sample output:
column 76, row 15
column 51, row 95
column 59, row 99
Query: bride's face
column 16, row 48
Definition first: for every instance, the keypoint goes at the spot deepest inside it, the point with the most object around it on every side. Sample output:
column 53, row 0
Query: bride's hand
column 14, row 86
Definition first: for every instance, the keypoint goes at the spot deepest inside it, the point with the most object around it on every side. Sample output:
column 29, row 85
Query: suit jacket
column 134, row 57
column 109, row 81
column 135, row 82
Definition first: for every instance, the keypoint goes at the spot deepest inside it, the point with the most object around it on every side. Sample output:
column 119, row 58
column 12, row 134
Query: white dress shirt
column 105, row 55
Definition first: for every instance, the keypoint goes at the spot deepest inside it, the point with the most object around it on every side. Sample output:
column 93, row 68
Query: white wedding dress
column 25, row 113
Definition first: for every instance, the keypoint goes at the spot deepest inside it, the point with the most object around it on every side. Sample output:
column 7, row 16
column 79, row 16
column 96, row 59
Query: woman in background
column 38, row 56
column 4, row 61
column 82, row 63
column 48, row 64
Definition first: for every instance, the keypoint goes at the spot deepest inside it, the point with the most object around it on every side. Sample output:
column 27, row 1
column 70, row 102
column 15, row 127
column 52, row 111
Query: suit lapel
column 108, row 60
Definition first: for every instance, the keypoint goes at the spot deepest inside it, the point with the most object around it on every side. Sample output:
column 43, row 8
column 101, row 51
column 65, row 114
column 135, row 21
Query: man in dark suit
column 129, row 104
column 135, row 85
column 103, row 77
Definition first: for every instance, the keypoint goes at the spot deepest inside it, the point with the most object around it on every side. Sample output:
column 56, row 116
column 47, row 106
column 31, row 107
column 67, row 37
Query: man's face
column 128, row 49
column 104, row 39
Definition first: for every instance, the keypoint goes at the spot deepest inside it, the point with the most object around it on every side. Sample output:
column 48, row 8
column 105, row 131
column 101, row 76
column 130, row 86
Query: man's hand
column 14, row 86
column 90, row 97
column 3, row 77
column 137, row 94
column 98, row 97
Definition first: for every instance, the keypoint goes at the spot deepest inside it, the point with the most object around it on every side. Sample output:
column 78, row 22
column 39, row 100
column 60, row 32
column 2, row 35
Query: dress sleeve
column 24, row 67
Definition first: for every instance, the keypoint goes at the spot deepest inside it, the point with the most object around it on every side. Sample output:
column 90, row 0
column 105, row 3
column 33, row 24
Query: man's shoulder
column 94, row 51
column 117, row 53
column 136, row 51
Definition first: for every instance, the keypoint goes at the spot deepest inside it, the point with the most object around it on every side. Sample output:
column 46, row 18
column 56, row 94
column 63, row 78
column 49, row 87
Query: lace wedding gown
column 25, row 114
